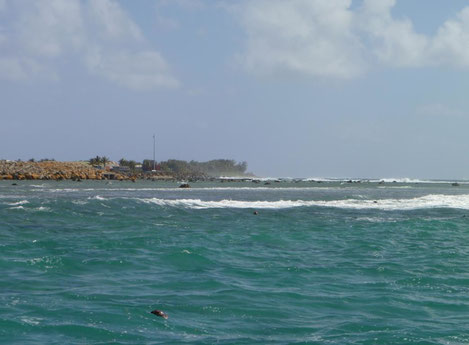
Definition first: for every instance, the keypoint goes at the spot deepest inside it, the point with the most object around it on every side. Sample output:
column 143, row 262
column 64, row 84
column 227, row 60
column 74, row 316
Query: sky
column 298, row 88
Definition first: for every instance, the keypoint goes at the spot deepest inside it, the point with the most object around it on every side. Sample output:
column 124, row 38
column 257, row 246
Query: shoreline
column 53, row 170
column 79, row 171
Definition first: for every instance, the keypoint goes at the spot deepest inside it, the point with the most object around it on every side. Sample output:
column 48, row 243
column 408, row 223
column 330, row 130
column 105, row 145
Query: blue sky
column 339, row 88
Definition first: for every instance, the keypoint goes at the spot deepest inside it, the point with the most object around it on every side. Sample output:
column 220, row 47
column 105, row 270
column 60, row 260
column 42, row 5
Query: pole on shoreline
column 154, row 147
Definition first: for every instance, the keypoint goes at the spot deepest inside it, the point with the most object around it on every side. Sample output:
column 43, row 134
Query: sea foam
column 21, row 202
column 424, row 202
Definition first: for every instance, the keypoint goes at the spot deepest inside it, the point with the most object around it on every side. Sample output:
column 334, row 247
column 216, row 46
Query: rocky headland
column 52, row 170
column 172, row 170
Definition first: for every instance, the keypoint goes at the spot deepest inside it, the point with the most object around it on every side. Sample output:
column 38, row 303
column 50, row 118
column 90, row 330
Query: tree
column 104, row 160
column 216, row 167
column 147, row 165
column 126, row 163
column 95, row 161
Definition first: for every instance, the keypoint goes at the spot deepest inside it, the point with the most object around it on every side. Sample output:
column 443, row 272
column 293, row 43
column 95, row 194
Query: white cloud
column 98, row 34
column 394, row 41
column 450, row 46
column 304, row 36
column 328, row 38
column 23, row 69
column 111, row 22
column 49, row 28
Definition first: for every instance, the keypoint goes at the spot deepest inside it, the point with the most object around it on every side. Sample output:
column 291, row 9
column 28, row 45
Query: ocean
column 321, row 263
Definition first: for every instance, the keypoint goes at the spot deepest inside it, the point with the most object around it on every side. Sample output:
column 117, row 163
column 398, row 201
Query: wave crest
column 424, row 202
column 21, row 202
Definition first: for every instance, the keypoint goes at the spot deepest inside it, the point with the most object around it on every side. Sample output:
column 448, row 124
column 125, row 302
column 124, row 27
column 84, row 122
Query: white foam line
column 425, row 202
column 385, row 179
column 195, row 189
column 21, row 202
column 97, row 197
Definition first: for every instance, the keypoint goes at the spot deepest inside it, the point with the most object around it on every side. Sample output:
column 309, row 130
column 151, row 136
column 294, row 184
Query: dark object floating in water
column 159, row 313
column 375, row 202
column 255, row 213
column 455, row 184
column 14, row 184
column 267, row 183
column 185, row 185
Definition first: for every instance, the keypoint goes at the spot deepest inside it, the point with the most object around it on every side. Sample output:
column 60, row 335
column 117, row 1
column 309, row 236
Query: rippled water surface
column 329, row 263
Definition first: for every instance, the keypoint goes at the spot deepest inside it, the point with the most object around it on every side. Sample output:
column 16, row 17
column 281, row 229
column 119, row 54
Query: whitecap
column 56, row 190
column 424, row 202
column 332, row 179
column 21, row 202
column 395, row 187
column 31, row 320
column 416, row 181
column 401, row 180
column 42, row 208
column 97, row 197
column 193, row 189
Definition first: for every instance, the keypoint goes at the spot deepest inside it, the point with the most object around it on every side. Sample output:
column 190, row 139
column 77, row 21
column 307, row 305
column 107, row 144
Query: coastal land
column 104, row 169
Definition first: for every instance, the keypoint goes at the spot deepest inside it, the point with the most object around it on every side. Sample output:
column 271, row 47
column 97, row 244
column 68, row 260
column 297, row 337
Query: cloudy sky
column 339, row 88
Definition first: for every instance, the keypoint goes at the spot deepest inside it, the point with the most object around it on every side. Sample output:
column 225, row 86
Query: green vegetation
column 99, row 160
column 216, row 167
column 126, row 163
column 212, row 168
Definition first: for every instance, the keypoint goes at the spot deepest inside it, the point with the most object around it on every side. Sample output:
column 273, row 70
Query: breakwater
column 52, row 170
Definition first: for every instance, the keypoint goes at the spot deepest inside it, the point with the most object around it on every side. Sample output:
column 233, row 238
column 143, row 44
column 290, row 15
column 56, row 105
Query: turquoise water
column 329, row 263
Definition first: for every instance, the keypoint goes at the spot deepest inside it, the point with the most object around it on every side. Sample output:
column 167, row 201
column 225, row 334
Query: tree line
column 99, row 160
column 215, row 167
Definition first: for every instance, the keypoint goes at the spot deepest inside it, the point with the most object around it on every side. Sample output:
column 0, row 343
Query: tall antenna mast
column 154, row 147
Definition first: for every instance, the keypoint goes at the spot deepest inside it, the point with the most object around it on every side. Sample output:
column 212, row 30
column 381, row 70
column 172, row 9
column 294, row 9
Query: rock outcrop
column 52, row 170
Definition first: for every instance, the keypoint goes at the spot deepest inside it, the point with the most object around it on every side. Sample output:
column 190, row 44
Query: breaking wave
column 97, row 197
column 21, row 202
column 425, row 202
